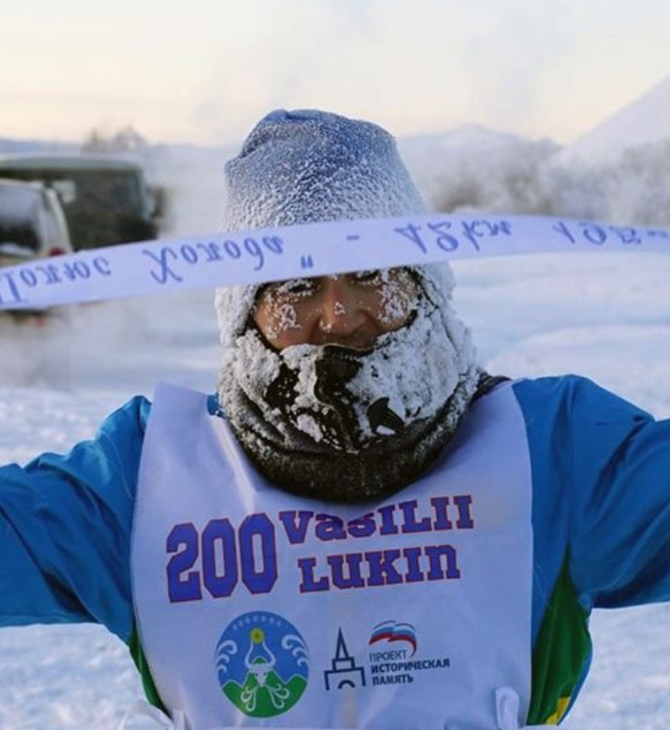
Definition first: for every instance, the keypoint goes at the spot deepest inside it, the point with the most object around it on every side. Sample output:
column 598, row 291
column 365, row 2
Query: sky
column 204, row 71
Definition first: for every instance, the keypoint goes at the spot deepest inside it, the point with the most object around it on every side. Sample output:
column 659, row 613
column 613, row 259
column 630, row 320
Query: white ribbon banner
column 316, row 249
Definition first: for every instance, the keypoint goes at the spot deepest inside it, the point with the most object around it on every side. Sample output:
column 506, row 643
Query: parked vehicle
column 32, row 223
column 105, row 200
column 32, row 226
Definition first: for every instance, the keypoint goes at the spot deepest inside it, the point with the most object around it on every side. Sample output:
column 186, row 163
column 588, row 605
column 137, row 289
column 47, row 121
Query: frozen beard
column 341, row 424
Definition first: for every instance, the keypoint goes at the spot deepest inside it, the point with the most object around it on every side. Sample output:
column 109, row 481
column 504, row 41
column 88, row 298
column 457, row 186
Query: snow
column 602, row 315
column 643, row 121
column 472, row 166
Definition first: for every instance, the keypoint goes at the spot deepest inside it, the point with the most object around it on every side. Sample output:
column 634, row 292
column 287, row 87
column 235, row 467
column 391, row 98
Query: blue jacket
column 601, row 522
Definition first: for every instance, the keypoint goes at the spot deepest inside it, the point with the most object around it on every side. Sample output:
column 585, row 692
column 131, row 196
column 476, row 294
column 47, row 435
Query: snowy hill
column 644, row 121
column 475, row 167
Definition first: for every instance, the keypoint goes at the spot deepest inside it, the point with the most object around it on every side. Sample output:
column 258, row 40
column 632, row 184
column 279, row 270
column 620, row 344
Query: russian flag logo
column 393, row 631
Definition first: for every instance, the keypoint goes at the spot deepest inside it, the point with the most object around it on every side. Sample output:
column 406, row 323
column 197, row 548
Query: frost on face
column 399, row 294
column 417, row 367
column 386, row 298
column 279, row 302
column 309, row 426
column 284, row 318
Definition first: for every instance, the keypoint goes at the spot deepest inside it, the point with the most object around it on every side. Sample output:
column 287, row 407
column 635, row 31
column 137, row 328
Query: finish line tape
column 315, row 249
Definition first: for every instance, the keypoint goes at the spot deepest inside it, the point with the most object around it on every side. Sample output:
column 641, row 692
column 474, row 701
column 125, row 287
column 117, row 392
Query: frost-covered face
column 349, row 310
column 338, row 387
column 346, row 385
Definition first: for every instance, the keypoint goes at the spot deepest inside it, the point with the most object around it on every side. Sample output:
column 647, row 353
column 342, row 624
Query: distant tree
column 123, row 141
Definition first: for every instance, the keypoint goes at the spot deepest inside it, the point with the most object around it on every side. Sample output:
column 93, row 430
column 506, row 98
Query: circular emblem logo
column 262, row 664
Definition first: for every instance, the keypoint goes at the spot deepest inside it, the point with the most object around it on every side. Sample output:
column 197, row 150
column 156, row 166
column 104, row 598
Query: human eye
column 371, row 276
column 291, row 291
column 297, row 286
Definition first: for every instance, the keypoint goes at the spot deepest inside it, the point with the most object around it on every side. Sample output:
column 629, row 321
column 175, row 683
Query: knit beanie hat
column 309, row 166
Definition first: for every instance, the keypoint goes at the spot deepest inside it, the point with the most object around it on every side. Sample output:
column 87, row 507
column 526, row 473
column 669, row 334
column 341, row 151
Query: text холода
column 317, row 249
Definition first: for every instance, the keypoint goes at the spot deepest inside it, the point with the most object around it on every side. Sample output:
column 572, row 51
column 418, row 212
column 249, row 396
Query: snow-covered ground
column 603, row 315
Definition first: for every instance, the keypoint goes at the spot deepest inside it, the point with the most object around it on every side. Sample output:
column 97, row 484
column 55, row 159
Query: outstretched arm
column 620, row 522
column 601, row 522
column 65, row 525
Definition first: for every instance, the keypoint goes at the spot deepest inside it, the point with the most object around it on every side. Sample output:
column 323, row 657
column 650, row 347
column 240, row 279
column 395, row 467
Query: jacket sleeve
column 620, row 522
column 65, row 524
column 605, row 492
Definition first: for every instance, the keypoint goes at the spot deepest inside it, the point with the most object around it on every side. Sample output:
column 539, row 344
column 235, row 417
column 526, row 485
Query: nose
column 342, row 312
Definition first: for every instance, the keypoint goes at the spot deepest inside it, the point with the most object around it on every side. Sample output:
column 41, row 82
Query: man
column 363, row 529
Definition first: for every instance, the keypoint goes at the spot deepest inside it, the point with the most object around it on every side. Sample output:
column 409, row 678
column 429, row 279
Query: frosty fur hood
column 308, row 166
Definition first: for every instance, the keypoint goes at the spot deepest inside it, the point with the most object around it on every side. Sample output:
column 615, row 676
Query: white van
column 32, row 223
